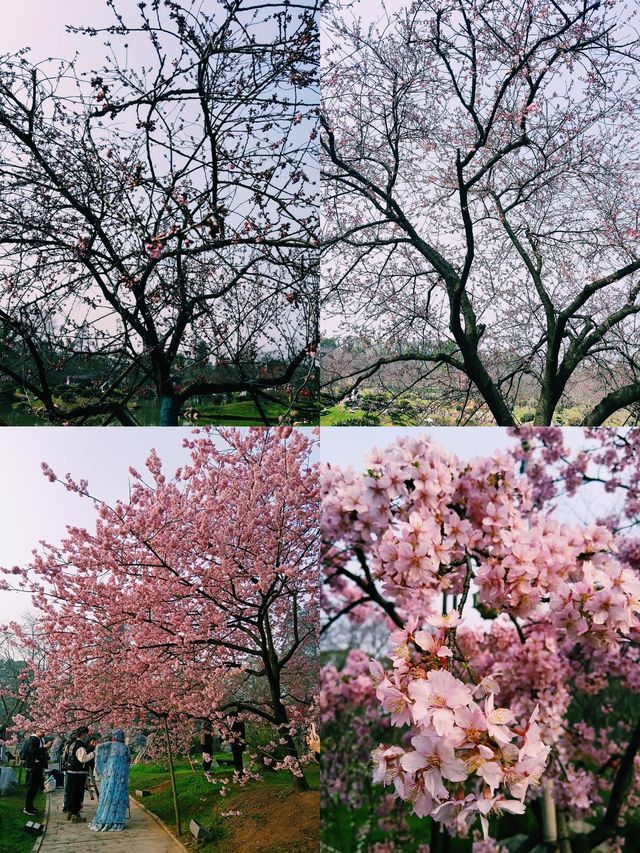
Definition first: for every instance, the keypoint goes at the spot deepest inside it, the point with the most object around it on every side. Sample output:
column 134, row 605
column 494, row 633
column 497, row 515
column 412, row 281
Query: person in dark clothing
column 77, row 772
column 206, row 742
column 238, row 745
column 90, row 766
column 35, row 758
column 65, row 759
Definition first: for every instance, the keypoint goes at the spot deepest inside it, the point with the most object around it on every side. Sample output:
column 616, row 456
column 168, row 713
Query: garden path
column 142, row 834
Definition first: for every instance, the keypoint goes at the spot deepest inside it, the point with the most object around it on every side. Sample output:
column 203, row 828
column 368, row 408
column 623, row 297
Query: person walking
column 238, row 745
column 77, row 773
column 206, row 742
column 112, row 766
column 35, row 756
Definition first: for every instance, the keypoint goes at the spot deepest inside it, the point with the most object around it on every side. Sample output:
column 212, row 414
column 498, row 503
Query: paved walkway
column 142, row 833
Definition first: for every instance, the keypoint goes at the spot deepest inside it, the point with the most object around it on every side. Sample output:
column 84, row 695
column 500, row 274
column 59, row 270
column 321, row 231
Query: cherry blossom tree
column 513, row 633
column 158, row 216
column 481, row 204
column 16, row 689
column 194, row 599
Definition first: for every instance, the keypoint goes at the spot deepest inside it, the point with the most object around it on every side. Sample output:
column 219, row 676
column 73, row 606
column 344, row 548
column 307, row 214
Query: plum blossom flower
column 434, row 758
column 489, row 684
column 433, row 644
column 377, row 672
column 487, row 768
column 450, row 811
column 395, row 702
column 470, row 720
column 448, row 620
column 432, row 761
column 386, row 763
column 437, row 697
column 495, row 805
column 497, row 718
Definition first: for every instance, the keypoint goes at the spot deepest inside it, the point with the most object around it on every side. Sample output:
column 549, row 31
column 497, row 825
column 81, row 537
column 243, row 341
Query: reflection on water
column 146, row 414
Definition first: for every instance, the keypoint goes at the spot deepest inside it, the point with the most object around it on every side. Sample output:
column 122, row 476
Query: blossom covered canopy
column 195, row 594
column 423, row 536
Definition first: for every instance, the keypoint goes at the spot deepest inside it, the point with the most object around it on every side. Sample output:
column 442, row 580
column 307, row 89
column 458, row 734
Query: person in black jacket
column 35, row 758
column 238, row 745
column 77, row 773
column 206, row 742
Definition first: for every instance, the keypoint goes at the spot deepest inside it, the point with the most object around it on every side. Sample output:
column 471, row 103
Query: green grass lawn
column 14, row 838
column 341, row 416
column 195, row 797
column 245, row 412
column 200, row 800
column 240, row 413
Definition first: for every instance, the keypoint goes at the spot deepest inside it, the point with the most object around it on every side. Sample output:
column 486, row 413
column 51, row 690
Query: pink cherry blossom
column 437, row 697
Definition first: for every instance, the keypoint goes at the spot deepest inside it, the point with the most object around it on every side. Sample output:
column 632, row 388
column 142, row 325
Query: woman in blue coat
column 112, row 765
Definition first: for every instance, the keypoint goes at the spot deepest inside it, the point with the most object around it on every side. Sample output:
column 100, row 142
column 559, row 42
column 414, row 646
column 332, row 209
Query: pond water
column 147, row 414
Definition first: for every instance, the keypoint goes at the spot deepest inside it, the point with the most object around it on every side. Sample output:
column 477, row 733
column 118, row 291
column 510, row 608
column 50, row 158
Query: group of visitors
column 84, row 757
column 236, row 737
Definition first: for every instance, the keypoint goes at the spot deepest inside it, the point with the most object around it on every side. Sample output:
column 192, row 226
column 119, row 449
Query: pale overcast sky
column 40, row 25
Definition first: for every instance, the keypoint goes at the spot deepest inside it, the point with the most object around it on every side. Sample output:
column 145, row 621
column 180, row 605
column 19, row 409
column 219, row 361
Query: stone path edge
column 158, row 821
column 40, row 838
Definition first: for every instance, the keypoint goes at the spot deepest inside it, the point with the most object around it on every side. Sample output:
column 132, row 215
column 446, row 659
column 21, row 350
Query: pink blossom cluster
column 541, row 671
column 349, row 687
column 424, row 516
column 598, row 605
column 420, row 533
column 608, row 460
column 533, row 673
column 458, row 736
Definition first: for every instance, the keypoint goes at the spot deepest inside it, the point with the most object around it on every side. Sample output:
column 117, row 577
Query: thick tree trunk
column 479, row 375
column 169, row 410
column 545, row 408
column 300, row 782
column 554, row 382
column 282, row 721
column 614, row 401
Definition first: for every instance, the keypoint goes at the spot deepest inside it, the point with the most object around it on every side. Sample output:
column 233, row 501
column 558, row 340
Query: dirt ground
column 274, row 821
